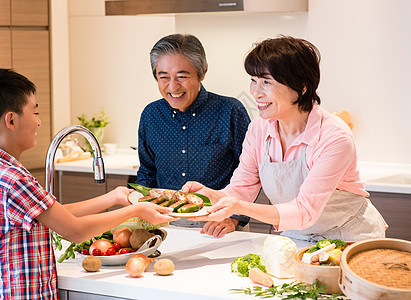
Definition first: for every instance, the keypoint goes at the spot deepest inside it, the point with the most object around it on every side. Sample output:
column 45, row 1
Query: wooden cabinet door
column 5, row 48
column 31, row 58
column 396, row 210
column 77, row 186
column 29, row 12
column 4, row 12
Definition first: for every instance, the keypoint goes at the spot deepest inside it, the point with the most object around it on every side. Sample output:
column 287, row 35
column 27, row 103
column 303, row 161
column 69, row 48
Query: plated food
column 184, row 205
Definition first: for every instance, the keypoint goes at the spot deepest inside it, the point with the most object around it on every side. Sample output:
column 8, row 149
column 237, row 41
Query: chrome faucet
column 98, row 164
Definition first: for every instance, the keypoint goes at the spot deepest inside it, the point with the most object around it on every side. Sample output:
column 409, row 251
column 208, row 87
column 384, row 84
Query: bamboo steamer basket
column 381, row 264
column 327, row 275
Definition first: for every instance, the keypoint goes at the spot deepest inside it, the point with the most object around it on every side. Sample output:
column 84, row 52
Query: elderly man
column 189, row 134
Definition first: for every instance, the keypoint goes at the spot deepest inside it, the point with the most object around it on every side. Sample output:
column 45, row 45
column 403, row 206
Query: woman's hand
column 196, row 187
column 224, row 208
column 153, row 213
column 120, row 194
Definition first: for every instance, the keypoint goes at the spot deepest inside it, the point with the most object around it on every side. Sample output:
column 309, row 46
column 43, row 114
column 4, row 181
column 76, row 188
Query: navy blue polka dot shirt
column 202, row 144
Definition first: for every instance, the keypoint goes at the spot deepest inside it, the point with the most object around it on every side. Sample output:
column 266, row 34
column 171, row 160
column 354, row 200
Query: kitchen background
column 102, row 61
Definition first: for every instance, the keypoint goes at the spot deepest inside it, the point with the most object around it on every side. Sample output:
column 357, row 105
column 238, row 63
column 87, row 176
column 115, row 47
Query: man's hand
column 219, row 229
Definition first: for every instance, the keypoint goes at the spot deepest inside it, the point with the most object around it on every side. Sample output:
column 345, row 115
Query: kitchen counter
column 124, row 162
column 202, row 269
column 378, row 177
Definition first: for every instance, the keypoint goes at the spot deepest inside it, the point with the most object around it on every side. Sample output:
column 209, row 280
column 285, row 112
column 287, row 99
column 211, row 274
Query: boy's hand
column 153, row 213
column 120, row 194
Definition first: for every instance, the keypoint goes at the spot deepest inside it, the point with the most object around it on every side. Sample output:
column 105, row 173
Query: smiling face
column 178, row 81
column 26, row 125
column 274, row 100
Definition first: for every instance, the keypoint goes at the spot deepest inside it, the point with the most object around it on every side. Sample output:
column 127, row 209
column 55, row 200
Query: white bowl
column 148, row 248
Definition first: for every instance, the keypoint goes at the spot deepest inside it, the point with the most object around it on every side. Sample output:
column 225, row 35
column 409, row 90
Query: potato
column 164, row 266
column 139, row 237
column 91, row 263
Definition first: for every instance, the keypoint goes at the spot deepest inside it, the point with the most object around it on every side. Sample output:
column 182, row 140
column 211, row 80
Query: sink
column 396, row 183
column 394, row 179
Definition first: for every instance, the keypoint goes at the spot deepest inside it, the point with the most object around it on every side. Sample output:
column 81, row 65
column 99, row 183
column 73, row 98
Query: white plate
column 134, row 196
column 202, row 212
column 148, row 248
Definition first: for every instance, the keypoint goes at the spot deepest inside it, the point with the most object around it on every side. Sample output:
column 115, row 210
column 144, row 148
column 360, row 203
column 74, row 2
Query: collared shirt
column 27, row 263
column 330, row 155
column 203, row 143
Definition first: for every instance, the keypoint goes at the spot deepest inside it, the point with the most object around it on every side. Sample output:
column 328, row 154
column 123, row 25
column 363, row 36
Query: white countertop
column 124, row 162
column 202, row 269
column 378, row 177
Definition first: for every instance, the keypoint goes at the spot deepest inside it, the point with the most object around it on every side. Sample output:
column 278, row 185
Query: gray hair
column 186, row 45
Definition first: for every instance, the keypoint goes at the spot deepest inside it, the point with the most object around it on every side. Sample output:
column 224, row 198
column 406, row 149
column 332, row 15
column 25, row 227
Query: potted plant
column 96, row 125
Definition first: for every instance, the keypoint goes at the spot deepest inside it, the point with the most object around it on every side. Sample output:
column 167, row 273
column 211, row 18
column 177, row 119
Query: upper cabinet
column 5, row 12
column 24, row 46
column 29, row 12
column 136, row 7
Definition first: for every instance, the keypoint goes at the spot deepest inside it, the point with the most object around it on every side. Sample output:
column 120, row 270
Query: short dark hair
column 186, row 45
column 14, row 91
column 291, row 61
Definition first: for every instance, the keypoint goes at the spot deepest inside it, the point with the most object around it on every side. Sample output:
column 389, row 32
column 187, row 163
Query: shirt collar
column 9, row 159
column 311, row 134
column 197, row 104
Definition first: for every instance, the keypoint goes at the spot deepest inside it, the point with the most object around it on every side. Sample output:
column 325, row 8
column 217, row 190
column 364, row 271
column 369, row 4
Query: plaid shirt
column 27, row 263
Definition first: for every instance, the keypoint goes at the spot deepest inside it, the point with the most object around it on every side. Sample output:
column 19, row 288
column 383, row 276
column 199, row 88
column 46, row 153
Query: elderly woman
column 303, row 157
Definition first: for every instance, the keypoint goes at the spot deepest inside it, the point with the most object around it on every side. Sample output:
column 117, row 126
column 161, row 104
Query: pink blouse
column 330, row 155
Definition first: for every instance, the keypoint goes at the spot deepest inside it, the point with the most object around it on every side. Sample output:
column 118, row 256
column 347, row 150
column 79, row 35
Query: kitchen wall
column 366, row 66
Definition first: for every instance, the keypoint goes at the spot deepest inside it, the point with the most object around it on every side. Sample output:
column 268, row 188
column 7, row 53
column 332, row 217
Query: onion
column 102, row 245
column 136, row 266
column 146, row 259
column 122, row 236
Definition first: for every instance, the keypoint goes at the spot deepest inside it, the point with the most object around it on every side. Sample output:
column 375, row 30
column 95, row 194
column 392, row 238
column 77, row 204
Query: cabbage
column 277, row 257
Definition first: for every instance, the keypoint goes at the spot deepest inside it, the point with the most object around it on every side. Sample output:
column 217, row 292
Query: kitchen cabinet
column 394, row 207
column 24, row 46
column 78, row 186
column 396, row 210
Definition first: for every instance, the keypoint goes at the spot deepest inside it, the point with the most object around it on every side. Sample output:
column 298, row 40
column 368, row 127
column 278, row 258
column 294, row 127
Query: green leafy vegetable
column 323, row 243
column 294, row 290
column 339, row 244
column 243, row 265
column 140, row 188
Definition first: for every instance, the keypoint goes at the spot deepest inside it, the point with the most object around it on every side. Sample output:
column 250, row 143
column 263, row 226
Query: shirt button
column 183, row 174
column 174, row 112
column 184, row 128
column 194, row 114
column 184, row 151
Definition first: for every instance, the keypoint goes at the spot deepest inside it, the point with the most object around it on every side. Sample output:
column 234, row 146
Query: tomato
column 123, row 251
column 117, row 253
column 116, row 246
column 133, row 250
column 85, row 252
column 103, row 254
column 110, row 251
column 96, row 252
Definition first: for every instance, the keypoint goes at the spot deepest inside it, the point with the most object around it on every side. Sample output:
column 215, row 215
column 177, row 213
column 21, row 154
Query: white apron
column 346, row 216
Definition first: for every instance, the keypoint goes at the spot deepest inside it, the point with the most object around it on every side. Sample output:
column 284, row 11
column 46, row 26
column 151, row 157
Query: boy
column 27, row 211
